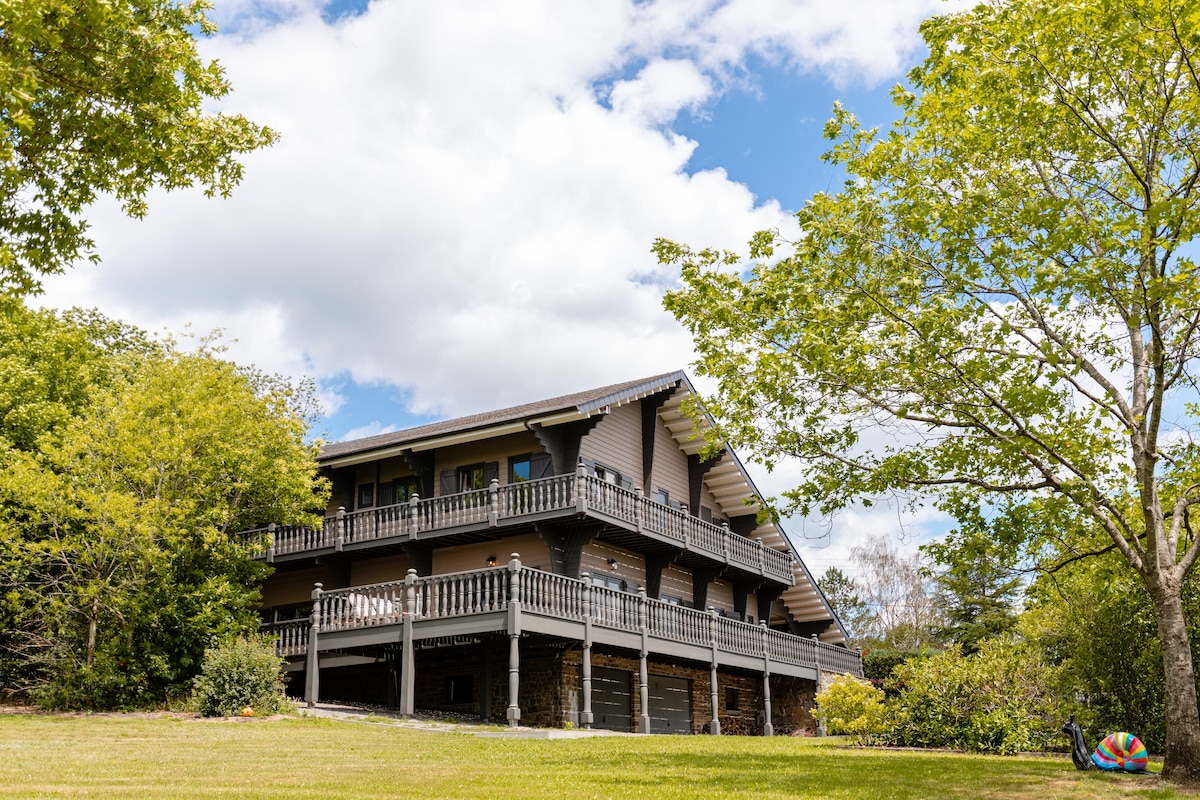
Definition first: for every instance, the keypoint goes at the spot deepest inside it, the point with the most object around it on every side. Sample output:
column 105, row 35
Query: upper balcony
column 511, row 505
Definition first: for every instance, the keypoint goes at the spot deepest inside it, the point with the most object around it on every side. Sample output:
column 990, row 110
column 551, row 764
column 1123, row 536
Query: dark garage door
column 670, row 704
column 612, row 700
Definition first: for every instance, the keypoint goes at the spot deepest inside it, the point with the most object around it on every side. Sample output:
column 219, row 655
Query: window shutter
column 491, row 472
column 540, row 466
column 449, row 482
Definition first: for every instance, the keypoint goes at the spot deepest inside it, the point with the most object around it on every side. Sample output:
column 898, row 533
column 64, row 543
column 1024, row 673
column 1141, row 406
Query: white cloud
column 465, row 194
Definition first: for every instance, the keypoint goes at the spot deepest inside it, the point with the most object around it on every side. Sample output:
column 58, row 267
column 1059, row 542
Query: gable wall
column 616, row 442
column 670, row 465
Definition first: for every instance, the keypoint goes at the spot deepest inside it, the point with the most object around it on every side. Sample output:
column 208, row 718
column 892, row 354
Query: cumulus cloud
column 463, row 200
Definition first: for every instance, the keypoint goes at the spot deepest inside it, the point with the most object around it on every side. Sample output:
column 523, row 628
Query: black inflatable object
column 1080, row 753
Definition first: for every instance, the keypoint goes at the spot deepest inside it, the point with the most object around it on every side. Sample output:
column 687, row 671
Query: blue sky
column 459, row 213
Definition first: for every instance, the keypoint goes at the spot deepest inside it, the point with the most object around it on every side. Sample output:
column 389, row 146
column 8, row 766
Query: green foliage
column 852, row 707
column 977, row 585
column 103, row 98
column 998, row 700
column 999, row 306
column 117, row 562
column 880, row 663
column 1095, row 621
column 239, row 673
column 842, row 594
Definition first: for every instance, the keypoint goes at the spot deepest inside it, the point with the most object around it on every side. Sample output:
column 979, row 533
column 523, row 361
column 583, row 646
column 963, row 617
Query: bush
column 854, row 707
column 240, row 673
column 879, row 664
column 998, row 700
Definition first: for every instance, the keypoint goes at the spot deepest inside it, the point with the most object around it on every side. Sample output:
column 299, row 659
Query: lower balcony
column 516, row 601
column 557, row 497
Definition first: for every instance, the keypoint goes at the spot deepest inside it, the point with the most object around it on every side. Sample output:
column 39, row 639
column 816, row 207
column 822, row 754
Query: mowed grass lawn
column 173, row 757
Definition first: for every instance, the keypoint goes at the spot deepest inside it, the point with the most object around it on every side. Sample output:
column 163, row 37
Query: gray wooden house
column 575, row 560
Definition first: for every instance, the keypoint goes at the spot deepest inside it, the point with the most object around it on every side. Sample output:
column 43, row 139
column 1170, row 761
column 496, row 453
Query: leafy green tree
column 999, row 302
column 977, row 582
column 842, row 593
column 103, row 97
column 115, row 539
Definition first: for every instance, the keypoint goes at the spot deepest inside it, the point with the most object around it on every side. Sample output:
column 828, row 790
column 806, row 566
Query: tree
column 999, row 302
column 901, row 610
column 116, row 546
column 842, row 593
column 977, row 583
column 103, row 98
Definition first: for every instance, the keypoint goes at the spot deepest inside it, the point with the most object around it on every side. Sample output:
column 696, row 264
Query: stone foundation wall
column 551, row 684
column 791, row 698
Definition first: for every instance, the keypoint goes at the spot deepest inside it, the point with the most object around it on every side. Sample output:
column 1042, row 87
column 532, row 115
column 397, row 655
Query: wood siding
column 498, row 450
column 631, row 567
column 380, row 570
column 670, row 471
column 677, row 582
column 286, row 588
column 616, row 442
column 531, row 548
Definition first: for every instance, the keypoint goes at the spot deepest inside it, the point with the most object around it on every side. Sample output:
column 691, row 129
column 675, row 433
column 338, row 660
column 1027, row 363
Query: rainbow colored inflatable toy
column 1121, row 751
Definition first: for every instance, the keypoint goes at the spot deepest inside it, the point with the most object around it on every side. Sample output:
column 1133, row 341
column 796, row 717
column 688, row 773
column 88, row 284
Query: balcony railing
column 493, row 589
column 568, row 494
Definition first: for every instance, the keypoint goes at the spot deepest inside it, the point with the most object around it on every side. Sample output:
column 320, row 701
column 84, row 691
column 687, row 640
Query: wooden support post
column 514, row 637
column 312, row 660
column 408, row 677
column 341, row 529
column 768, row 728
column 817, row 660
column 714, row 725
column 643, row 677
column 586, row 717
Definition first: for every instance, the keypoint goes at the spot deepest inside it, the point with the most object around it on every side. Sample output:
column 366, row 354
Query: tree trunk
column 1183, row 720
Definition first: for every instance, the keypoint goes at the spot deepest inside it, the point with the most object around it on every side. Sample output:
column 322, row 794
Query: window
column 366, row 495
column 471, row 478
column 661, row 496
column 460, row 689
column 731, row 698
column 608, row 475
column 398, row 490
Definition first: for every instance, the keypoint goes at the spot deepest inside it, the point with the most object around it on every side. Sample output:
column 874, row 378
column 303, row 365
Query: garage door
column 670, row 704
column 612, row 700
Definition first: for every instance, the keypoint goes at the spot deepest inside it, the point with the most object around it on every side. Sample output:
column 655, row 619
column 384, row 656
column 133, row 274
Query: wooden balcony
column 517, row 504
column 512, row 598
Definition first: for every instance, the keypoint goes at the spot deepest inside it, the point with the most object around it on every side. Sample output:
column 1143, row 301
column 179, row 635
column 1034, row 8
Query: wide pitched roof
column 585, row 403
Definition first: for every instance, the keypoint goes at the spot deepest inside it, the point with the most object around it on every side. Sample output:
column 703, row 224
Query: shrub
column 854, row 707
column 238, row 673
column 998, row 700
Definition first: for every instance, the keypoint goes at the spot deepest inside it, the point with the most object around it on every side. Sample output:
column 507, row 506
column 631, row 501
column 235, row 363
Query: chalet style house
column 575, row 561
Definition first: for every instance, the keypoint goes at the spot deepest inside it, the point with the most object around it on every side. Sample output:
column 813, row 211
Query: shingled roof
column 585, row 403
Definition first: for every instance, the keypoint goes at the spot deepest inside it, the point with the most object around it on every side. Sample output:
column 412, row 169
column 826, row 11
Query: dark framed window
column 529, row 467
column 460, row 689
column 731, row 698
column 366, row 495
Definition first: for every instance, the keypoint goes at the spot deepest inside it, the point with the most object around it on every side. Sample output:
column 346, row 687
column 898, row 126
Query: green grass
column 168, row 757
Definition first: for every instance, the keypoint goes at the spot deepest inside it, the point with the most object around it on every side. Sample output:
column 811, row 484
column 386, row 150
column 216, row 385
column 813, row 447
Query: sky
column 459, row 213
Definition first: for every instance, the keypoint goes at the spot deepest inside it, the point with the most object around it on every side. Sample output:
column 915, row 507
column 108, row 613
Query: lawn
column 176, row 757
